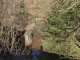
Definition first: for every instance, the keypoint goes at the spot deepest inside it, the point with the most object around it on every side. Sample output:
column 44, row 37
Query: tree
column 62, row 32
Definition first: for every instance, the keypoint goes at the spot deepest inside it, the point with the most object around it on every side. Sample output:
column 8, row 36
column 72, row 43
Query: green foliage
column 33, row 18
column 59, row 35
column 22, row 9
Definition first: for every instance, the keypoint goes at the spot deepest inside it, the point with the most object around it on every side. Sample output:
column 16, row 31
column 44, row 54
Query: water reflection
column 36, row 55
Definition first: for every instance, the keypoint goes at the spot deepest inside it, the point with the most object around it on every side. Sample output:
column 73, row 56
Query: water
column 1, row 58
column 36, row 55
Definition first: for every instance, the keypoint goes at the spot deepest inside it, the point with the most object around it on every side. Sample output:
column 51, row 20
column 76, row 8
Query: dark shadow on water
column 48, row 56
column 43, row 56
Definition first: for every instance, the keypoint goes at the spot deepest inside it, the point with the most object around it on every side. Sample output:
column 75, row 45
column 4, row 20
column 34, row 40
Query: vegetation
column 62, row 30
column 13, row 19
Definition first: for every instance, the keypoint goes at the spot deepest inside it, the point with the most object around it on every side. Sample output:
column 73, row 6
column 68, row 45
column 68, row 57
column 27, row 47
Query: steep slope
column 38, row 7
